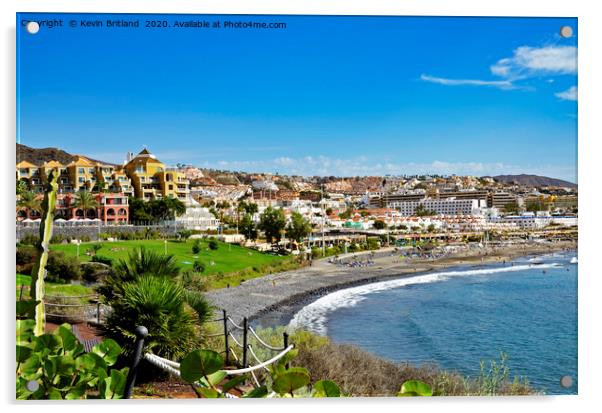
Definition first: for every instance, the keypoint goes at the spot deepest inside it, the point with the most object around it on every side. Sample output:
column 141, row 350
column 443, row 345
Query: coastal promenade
column 260, row 295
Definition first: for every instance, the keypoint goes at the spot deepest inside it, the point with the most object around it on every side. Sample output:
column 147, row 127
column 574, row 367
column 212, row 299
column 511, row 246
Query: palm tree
column 159, row 304
column 29, row 201
column 85, row 200
column 146, row 290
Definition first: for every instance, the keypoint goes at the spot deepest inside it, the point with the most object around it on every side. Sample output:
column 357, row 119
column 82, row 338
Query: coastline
column 257, row 297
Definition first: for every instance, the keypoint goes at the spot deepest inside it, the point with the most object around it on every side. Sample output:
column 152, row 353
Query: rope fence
column 173, row 367
column 70, row 308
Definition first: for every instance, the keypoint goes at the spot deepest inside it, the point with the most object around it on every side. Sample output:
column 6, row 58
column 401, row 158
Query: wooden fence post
column 226, row 337
column 245, row 327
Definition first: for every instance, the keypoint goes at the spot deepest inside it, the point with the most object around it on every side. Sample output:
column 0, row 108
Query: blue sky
column 325, row 96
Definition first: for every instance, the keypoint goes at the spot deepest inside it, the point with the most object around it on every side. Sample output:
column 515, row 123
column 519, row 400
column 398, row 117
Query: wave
column 313, row 317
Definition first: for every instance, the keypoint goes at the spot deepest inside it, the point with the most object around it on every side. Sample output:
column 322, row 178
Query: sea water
column 459, row 317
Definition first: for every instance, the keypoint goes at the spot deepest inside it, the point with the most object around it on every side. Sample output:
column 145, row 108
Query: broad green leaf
column 109, row 350
column 105, row 388
column 65, row 365
column 54, row 394
column 326, row 388
column 415, row 388
column 293, row 379
column 99, row 380
column 257, row 393
column 29, row 369
column 90, row 362
column 47, row 343
column 25, row 308
column 25, row 326
column 23, row 353
column 230, row 384
column 50, row 367
column 77, row 392
column 70, row 342
column 208, row 393
column 117, row 385
column 200, row 363
column 216, row 377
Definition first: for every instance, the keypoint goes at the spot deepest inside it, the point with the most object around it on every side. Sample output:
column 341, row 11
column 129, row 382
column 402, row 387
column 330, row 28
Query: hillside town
column 231, row 204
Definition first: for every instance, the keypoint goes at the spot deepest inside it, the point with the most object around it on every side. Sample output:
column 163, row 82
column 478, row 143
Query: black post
column 244, row 342
column 141, row 334
column 285, row 338
column 226, row 337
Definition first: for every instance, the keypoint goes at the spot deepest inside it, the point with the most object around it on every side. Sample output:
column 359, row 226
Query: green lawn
column 51, row 288
column 226, row 259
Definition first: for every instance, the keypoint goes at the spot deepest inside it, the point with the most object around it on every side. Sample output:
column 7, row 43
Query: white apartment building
column 447, row 206
column 198, row 219
column 529, row 220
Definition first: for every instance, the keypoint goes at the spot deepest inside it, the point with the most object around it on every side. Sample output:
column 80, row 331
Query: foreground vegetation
column 359, row 373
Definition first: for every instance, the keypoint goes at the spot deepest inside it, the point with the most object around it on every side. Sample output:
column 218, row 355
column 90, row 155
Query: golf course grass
column 225, row 259
column 51, row 288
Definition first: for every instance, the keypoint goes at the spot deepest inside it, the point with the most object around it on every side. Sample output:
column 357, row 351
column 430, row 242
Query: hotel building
column 152, row 179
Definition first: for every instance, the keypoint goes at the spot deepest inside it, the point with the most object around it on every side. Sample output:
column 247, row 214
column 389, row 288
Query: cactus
column 43, row 247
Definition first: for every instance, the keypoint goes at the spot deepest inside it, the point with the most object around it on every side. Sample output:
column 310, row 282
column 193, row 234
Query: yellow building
column 144, row 176
column 80, row 174
column 26, row 171
column 152, row 179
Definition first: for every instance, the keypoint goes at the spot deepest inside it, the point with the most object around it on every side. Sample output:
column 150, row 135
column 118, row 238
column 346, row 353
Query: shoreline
column 258, row 297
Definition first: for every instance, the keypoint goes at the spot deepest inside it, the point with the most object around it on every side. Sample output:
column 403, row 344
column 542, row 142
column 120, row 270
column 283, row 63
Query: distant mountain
column 533, row 180
column 38, row 156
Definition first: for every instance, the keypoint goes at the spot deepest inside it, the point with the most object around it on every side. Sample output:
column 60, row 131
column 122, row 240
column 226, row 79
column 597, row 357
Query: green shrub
column 30, row 239
column 159, row 304
column 198, row 266
column 102, row 259
column 59, row 238
column 184, row 234
column 26, row 255
column 213, row 244
column 62, row 268
column 196, row 247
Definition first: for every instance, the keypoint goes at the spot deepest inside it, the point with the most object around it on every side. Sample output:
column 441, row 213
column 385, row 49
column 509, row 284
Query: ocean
column 458, row 317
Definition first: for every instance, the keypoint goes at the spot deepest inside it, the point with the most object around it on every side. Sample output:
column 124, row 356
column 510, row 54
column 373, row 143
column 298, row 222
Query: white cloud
column 502, row 84
column 529, row 61
column 526, row 62
column 569, row 94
